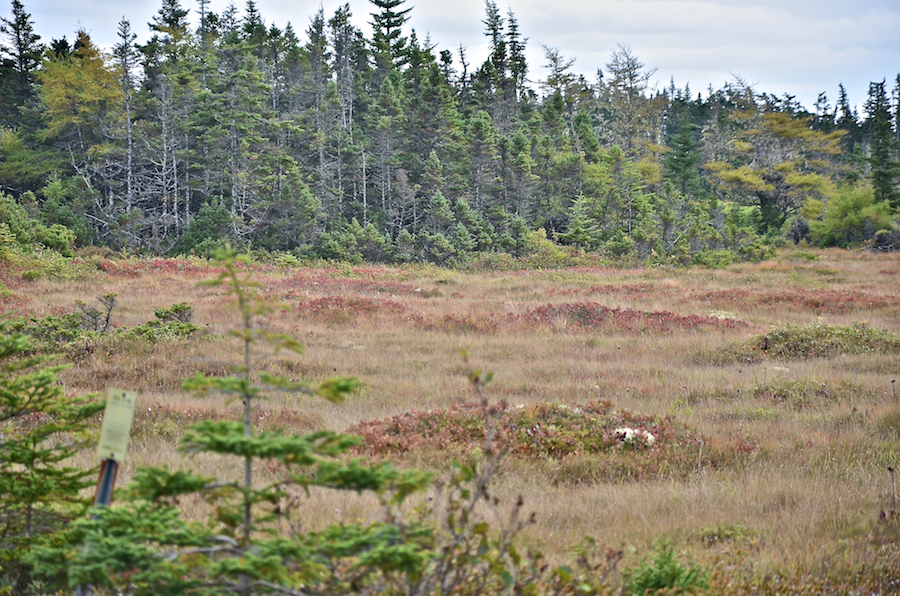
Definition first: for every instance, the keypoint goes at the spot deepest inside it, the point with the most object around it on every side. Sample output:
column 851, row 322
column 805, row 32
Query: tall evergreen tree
column 126, row 57
column 883, row 162
column 24, row 51
column 896, row 105
column 388, row 42
column 516, row 45
column 682, row 161
column 846, row 117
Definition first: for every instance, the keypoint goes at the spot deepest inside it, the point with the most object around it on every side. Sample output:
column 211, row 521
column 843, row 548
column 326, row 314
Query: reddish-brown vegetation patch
column 334, row 281
column 11, row 301
column 183, row 267
column 591, row 315
column 817, row 301
column 552, row 431
column 341, row 309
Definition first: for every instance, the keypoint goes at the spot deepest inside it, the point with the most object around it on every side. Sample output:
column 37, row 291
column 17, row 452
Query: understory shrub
column 170, row 323
column 661, row 572
column 90, row 325
column 798, row 342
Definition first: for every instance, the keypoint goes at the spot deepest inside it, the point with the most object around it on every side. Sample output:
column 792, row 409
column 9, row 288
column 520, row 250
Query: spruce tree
column 126, row 57
column 24, row 57
column 883, row 162
column 682, row 162
column 388, row 42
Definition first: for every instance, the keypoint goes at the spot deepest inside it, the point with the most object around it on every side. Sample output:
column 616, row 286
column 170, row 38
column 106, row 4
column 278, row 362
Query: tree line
column 332, row 144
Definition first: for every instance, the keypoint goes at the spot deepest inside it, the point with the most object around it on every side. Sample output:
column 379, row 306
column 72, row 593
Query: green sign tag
column 116, row 424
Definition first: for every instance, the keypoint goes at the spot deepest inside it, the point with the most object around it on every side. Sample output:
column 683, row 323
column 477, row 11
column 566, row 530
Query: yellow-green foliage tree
column 83, row 97
column 852, row 216
column 775, row 161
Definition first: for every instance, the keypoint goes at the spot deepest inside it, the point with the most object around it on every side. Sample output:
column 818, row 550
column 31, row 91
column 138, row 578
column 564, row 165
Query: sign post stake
column 111, row 448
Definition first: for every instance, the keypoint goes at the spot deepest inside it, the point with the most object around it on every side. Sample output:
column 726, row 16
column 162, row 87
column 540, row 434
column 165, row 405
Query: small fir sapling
column 41, row 428
column 147, row 546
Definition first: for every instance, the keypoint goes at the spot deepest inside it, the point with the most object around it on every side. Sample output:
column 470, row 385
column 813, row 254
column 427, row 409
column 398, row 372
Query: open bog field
column 769, row 389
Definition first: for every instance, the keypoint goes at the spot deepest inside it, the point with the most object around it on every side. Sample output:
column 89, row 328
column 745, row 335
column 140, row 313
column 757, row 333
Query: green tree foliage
column 854, row 215
column 299, row 133
column 775, row 161
column 22, row 53
column 662, row 572
column 388, row 42
column 42, row 428
column 884, row 163
column 23, row 233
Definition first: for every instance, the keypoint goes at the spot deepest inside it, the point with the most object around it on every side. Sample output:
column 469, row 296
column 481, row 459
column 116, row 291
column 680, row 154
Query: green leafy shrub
column 51, row 333
column 662, row 572
column 852, row 217
column 207, row 232
column 59, row 208
column 714, row 259
column 157, row 331
column 181, row 312
column 26, row 231
column 354, row 243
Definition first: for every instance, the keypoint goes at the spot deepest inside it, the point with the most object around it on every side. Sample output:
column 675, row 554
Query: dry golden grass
column 815, row 483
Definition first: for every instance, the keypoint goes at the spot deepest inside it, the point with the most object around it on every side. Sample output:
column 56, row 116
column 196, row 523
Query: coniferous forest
column 328, row 143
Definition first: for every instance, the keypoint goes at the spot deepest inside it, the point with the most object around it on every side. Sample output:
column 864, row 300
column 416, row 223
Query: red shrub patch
column 331, row 281
column 566, row 434
column 120, row 268
column 340, row 309
column 591, row 315
column 817, row 301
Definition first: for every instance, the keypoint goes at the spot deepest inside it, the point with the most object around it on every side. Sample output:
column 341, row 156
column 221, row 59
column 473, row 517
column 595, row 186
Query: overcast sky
column 801, row 47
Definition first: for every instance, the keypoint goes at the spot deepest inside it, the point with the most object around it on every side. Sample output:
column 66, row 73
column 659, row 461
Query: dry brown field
column 782, row 471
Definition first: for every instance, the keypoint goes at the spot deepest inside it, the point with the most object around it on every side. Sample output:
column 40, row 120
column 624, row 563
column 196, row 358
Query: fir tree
column 24, row 57
column 389, row 45
column 39, row 493
column 883, row 162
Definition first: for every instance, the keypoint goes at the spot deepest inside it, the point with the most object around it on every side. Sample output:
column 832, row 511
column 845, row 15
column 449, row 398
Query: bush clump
column 800, row 342
column 662, row 572
column 574, row 443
